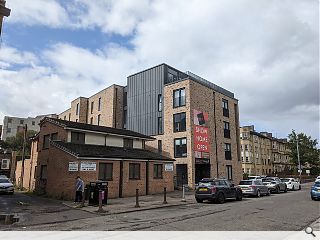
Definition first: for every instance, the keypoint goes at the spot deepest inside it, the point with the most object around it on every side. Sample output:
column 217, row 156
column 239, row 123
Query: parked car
column 3, row 176
column 315, row 191
column 254, row 177
column 317, row 179
column 292, row 183
column 217, row 190
column 254, row 188
column 6, row 186
column 274, row 184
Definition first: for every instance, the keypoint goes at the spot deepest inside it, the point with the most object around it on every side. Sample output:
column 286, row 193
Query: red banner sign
column 201, row 139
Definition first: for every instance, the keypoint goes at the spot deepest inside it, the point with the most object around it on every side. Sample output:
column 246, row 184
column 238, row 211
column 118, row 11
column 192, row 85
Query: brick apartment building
column 193, row 120
column 69, row 149
column 262, row 154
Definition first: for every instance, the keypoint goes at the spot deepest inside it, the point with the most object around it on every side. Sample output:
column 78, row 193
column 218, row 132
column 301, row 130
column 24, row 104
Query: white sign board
column 88, row 166
column 299, row 171
column 307, row 171
column 5, row 164
column 73, row 166
column 168, row 167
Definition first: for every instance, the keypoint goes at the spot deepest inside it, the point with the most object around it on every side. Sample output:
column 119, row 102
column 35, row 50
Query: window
column 65, row 118
column 99, row 118
column 9, row 120
column 77, row 110
column 227, row 151
column 92, row 105
column 160, row 129
column 160, row 103
column 99, row 104
column 179, row 122
column 225, row 108
column 91, row 120
column 127, row 143
column 179, row 97
column 77, row 137
column 33, row 123
column 8, row 130
column 180, row 147
column 21, row 121
column 69, row 116
column 125, row 116
column 159, row 146
column 43, row 173
column 229, row 172
column 46, row 141
column 143, row 144
column 134, row 171
column 157, row 171
column 226, row 129
column 76, row 120
column 246, row 147
column 54, row 136
column 105, row 171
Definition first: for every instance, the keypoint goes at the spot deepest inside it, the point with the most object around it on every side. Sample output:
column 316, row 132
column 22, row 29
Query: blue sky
column 54, row 51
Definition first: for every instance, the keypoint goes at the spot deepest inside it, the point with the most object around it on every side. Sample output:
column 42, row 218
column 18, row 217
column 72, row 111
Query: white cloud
column 266, row 52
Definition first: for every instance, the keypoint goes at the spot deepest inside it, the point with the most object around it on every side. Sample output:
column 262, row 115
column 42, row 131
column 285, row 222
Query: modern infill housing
column 193, row 120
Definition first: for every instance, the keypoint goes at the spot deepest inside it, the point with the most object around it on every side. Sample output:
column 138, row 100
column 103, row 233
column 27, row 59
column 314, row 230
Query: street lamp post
column 299, row 160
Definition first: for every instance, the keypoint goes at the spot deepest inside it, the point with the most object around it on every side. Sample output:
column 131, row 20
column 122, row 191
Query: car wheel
column 268, row 193
column 278, row 190
column 199, row 200
column 299, row 187
column 220, row 198
column 239, row 196
column 292, row 188
column 258, row 194
column 313, row 198
column 285, row 189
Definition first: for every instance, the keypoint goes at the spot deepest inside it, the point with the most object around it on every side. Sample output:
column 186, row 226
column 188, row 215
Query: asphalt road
column 290, row 211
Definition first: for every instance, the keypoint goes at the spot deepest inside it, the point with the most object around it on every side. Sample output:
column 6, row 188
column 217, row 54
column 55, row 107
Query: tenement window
column 180, row 147
column 179, row 97
column 179, row 122
column 229, row 172
column 226, row 129
column 225, row 108
column 134, row 171
column 99, row 104
column 227, row 151
column 157, row 171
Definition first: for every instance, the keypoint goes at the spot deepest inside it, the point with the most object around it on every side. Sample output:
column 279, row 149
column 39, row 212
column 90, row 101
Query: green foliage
column 307, row 149
column 16, row 143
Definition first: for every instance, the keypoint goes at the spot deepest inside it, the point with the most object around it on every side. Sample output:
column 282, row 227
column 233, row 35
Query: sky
column 266, row 52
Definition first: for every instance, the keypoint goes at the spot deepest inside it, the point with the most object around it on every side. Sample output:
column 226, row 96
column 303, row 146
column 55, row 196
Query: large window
column 105, row 171
column 179, row 122
column 157, row 171
column 46, row 139
column 127, row 143
column 160, row 103
column 180, row 147
column 225, row 107
column 227, row 151
column 229, row 172
column 134, row 171
column 77, row 137
column 226, row 129
column 160, row 129
column 179, row 97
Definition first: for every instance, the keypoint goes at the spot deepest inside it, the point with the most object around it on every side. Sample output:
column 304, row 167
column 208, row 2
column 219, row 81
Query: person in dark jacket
column 79, row 189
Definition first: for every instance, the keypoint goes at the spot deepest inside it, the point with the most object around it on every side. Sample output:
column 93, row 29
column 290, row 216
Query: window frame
column 160, row 125
column 128, row 143
column 229, row 167
column 99, row 119
column 91, row 106
column 134, row 171
column 178, row 126
column 99, row 104
column 44, row 167
column 160, row 101
column 105, row 171
column 156, row 173
column 182, row 155
column 180, row 97
column 46, row 141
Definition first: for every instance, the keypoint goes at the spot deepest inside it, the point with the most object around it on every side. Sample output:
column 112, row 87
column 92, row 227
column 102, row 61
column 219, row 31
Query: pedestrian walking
column 79, row 189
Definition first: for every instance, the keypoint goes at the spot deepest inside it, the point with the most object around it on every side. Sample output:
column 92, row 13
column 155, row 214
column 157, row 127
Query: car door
column 231, row 191
column 263, row 188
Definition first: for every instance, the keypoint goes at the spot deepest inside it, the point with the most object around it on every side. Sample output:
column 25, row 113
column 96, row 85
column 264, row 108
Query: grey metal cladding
column 143, row 90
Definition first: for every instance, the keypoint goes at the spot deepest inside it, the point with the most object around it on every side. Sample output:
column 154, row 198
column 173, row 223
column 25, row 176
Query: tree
column 307, row 149
column 16, row 143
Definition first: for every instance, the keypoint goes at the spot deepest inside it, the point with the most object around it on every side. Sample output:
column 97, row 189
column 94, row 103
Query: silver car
column 6, row 186
column 254, row 188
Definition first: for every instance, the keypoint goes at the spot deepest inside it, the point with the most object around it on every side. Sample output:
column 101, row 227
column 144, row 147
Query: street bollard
column 183, row 194
column 137, row 198
column 100, row 209
column 165, row 196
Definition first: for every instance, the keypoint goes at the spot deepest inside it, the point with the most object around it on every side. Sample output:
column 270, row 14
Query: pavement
column 126, row 205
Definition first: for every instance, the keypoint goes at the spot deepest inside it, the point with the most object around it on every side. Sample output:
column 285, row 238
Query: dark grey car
column 254, row 188
column 217, row 190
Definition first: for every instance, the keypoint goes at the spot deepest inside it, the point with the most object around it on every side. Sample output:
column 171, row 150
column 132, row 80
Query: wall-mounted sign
column 88, row 166
column 5, row 164
column 168, row 167
column 202, row 161
column 200, row 118
column 73, row 166
column 201, row 139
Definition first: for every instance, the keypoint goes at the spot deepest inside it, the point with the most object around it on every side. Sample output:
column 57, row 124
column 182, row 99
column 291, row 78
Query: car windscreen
column 317, row 184
column 285, row 180
column 245, row 182
column 266, row 180
column 206, row 183
column 3, row 180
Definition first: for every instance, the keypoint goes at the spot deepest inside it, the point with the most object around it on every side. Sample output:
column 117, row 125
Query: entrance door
column 202, row 171
column 182, row 174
